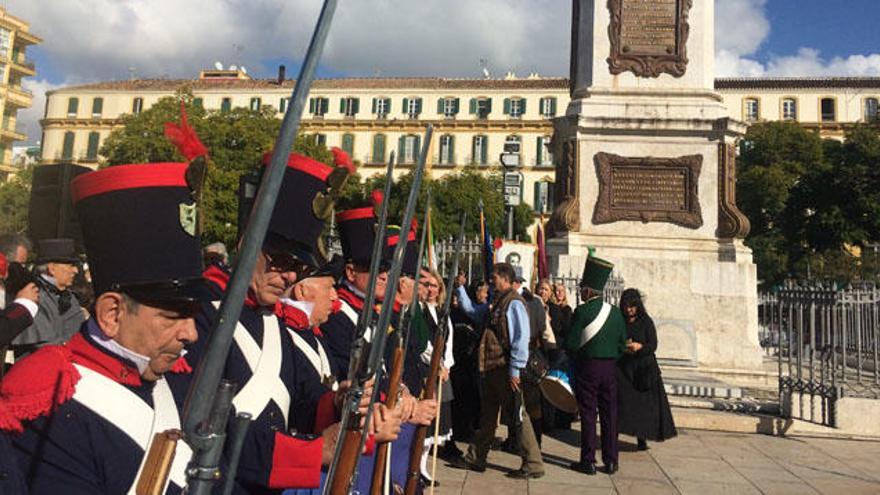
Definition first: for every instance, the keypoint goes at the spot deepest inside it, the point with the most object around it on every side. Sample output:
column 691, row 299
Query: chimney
column 281, row 71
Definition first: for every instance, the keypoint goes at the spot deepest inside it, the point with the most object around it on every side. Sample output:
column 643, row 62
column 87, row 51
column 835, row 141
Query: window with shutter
column 226, row 104
column 483, row 107
column 92, row 151
column 413, row 107
column 548, row 107
column 97, row 107
column 410, row 149
column 198, row 102
column 72, row 107
column 137, row 105
column 872, row 109
column 516, row 107
column 350, row 106
column 321, row 139
column 447, row 149
column 67, row 148
column 378, row 148
column 752, row 110
column 789, row 109
column 449, row 107
column 256, row 103
column 380, row 107
column 828, row 107
column 348, row 144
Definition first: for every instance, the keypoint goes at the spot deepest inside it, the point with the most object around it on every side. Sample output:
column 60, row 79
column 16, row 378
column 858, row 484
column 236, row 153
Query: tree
column 15, row 195
column 236, row 140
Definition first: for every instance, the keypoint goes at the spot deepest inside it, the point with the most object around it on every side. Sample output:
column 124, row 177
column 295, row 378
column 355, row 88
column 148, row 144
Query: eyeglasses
column 281, row 262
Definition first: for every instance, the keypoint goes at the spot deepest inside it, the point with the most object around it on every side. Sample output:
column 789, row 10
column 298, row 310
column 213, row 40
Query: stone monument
column 647, row 172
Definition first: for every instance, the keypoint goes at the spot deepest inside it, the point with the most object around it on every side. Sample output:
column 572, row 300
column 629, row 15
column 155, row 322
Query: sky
column 98, row 40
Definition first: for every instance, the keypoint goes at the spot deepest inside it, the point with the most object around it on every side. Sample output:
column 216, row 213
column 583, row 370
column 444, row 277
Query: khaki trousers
column 496, row 392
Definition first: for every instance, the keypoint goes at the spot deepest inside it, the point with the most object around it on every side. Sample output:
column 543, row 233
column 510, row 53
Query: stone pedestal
column 646, row 176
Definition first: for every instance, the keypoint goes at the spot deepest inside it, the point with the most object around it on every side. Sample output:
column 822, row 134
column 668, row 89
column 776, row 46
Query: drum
column 556, row 388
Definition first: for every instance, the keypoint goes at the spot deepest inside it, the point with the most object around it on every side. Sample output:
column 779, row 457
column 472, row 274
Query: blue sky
column 174, row 38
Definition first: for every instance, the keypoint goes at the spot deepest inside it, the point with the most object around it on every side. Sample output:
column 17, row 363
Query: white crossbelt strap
column 128, row 412
column 265, row 383
column 353, row 316
column 593, row 328
column 317, row 358
column 265, row 364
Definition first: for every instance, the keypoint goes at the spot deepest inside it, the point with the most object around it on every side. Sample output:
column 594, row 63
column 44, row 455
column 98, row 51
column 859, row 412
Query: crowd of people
column 104, row 352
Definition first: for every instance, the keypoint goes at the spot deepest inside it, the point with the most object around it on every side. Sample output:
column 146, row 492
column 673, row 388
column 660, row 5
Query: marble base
column 702, row 294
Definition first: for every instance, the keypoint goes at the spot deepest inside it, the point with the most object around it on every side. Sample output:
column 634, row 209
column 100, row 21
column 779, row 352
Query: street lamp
column 513, row 180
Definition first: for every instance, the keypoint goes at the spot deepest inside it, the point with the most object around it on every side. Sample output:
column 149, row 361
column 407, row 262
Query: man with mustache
column 82, row 415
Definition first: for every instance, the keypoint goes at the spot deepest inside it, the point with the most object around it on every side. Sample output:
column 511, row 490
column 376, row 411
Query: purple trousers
column 596, row 389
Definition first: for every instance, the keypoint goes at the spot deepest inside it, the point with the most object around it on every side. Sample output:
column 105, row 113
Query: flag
column 486, row 239
column 543, row 272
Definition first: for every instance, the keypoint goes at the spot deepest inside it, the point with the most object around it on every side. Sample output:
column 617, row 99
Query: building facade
column 15, row 38
column 473, row 118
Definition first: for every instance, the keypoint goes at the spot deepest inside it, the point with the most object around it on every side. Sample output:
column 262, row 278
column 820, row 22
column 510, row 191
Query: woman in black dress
column 643, row 407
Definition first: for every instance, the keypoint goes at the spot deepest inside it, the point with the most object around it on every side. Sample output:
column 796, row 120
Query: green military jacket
column 597, row 331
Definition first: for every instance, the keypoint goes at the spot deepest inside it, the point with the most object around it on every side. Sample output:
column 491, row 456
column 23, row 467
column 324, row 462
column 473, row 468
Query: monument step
column 687, row 383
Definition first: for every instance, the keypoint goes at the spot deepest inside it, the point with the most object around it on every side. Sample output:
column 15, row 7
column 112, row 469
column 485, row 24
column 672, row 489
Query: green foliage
column 236, row 141
column 810, row 201
column 15, row 195
column 451, row 194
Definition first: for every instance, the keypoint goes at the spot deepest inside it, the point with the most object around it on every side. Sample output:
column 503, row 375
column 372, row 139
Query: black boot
column 643, row 444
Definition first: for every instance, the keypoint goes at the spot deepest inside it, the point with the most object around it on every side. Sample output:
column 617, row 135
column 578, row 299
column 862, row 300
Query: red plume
column 184, row 137
column 377, row 197
column 341, row 159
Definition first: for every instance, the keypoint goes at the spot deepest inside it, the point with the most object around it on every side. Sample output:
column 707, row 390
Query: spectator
column 216, row 255
column 465, row 374
column 15, row 247
column 19, row 313
column 560, row 312
column 60, row 315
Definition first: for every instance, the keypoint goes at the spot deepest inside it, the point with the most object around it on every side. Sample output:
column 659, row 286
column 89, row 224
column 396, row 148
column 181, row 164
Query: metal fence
column 826, row 342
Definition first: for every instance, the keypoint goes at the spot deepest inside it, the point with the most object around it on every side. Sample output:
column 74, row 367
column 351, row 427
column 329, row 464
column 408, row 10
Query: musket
column 344, row 461
column 417, row 447
column 398, row 356
column 202, row 471
column 341, row 480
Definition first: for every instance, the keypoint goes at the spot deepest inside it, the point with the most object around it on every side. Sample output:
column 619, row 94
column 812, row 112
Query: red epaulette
column 36, row 385
column 181, row 367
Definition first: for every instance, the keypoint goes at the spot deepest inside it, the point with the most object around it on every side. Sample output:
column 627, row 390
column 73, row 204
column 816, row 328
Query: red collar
column 87, row 354
column 353, row 300
column 217, row 276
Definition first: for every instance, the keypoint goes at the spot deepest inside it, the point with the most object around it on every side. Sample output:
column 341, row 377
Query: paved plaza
column 696, row 462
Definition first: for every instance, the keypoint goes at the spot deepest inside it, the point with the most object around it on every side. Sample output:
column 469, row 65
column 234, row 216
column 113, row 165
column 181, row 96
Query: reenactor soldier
column 82, row 415
column 596, row 340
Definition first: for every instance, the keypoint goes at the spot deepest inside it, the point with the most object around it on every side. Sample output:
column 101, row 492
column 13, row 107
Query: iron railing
column 826, row 342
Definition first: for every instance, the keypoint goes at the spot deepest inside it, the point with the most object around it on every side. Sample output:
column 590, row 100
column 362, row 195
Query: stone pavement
column 696, row 462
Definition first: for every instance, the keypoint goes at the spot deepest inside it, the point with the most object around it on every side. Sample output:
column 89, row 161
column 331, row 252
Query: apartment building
column 15, row 38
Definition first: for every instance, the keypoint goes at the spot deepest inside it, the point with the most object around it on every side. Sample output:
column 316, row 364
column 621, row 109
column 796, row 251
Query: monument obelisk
column 647, row 174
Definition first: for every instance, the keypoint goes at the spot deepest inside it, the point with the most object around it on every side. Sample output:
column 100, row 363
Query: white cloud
column 741, row 26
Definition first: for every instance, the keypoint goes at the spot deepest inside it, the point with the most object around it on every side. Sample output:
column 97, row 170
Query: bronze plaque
column 649, row 189
column 649, row 37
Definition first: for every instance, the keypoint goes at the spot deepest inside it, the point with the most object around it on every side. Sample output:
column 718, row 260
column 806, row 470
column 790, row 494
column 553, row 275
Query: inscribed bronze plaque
column 649, row 37
column 649, row 190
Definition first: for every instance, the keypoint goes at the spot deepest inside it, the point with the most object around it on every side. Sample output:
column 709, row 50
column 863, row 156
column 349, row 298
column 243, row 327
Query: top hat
column 596, row 273
column 139, row 230
column 357, row 231
column 56, row 251
column 305, row 202
column 410, row 254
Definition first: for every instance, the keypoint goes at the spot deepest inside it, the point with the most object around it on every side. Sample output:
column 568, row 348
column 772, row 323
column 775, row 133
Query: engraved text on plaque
column 649, row 37
column 649, row 189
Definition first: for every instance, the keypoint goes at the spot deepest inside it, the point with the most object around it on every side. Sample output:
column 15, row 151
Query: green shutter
column 67, row 149
column 440, row 106
column 417, row 148
column 418, row 106
column 540, row 154
column 357, row 105
column 348, row 144
column 72, row 106
column 325, row 105
column 522, row 106
column 92, row 152
column 484, row 156
column 311, row 105
column 342, row 106
column 488, row 106
column 451, row 149
column 406, row 105
column 198, row 102
column 226, row 105
column 375, row 104
column 553, row 106
column 401, row 148
column 455, row 106
column 98, row 106
column 474, row 159
column 507, row 106
column 378, row 148
column 472, row 108
column 387, row 106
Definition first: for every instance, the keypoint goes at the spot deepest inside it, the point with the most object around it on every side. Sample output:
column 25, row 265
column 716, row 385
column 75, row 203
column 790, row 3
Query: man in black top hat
column 85, row 413
column 60, row 315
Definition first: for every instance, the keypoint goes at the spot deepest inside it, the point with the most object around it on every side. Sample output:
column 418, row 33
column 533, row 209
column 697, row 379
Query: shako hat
column 357, row 231
column 139, row 230
column 305, row 201
column 50, row 210
column 140, row 223
column 596, row 273
column 410, row 254
column 60, row 250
